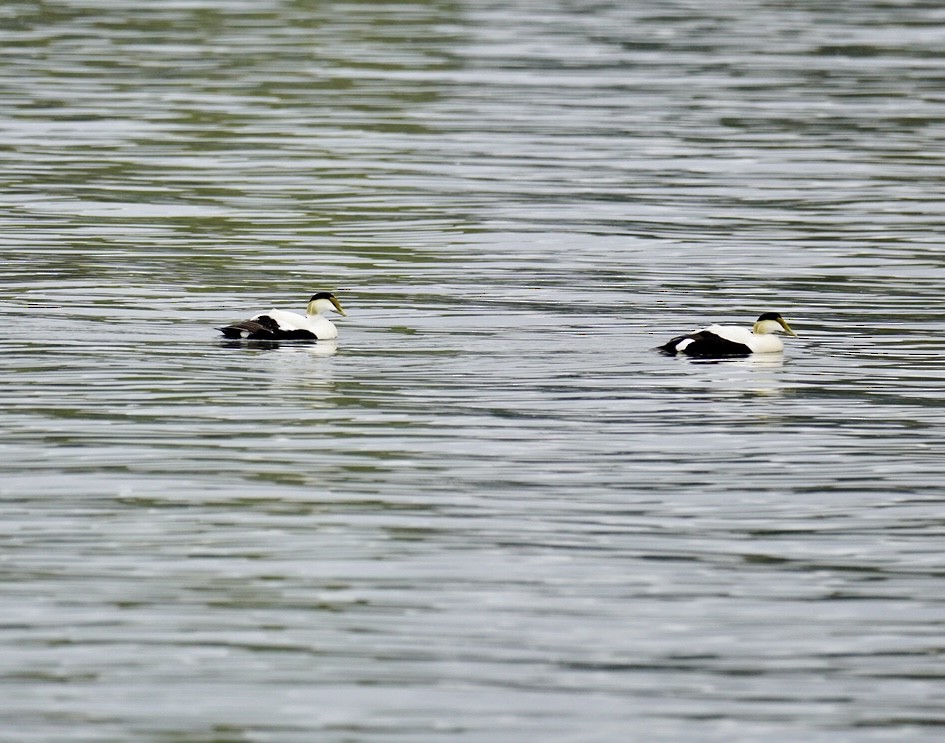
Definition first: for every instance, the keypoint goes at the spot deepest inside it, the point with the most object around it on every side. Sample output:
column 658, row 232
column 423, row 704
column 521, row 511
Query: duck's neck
column 764, row 327
column 317, row 308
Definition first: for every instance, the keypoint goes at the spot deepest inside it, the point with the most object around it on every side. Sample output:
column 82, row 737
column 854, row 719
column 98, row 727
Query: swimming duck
column 280, row 325
column 718, row 341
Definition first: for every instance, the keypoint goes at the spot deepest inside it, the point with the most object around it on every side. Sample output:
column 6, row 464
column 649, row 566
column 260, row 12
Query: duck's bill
column 337, row 306
column 787, row 328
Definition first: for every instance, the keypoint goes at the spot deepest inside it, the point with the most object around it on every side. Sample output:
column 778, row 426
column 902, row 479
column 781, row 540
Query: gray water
column 492, row 512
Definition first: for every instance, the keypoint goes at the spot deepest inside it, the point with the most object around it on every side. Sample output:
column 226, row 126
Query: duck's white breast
column 766, row 343
column 323, row 327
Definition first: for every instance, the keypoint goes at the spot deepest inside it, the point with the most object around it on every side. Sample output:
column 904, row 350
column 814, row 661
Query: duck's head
column 323, row 302
column 772, row 322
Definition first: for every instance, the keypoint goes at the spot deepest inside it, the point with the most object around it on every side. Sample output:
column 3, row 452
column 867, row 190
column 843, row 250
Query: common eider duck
column 719, row 341
column 280, row 325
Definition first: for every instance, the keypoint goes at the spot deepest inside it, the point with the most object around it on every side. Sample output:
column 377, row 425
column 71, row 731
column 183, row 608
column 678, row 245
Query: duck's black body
column 705, row 344
column 264, row 328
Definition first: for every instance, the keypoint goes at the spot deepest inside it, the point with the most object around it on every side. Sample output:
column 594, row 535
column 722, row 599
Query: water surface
column 492, row 512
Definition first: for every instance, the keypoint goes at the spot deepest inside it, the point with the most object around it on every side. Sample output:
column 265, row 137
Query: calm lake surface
column 491, row 512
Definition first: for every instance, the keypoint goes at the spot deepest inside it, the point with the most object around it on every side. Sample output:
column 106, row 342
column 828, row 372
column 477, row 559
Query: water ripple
column 492, row 512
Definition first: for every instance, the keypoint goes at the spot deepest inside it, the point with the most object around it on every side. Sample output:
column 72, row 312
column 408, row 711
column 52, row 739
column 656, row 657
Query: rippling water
column 492, row 513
